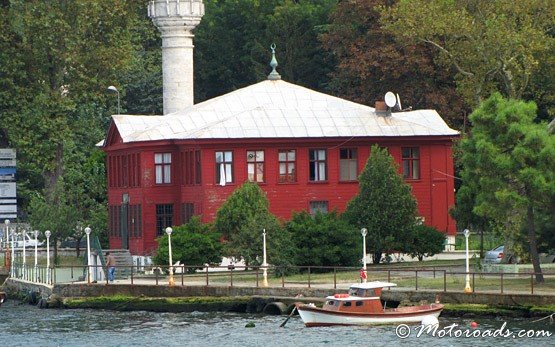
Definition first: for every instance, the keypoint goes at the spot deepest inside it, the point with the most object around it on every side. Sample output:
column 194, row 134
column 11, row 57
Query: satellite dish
column 390, row 99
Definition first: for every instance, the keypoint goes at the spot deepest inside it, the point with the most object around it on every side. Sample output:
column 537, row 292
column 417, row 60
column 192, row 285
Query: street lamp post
column 88, row 232
column 24, row 256
column 7, row 258
column 467, row 288
column 264, row 263
column 363, row 232
column 169, row 230
column 114, row 89
column 47, row 234
column 36, row 233
column 12, row 273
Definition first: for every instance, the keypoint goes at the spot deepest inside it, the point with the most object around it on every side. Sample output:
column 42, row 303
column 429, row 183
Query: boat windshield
column 360, row 292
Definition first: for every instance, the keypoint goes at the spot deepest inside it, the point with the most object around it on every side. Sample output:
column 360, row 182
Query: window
column 134, row 223
column 318, row 206
column 162, row 162
column 348, row 165
column 347, row 303
column 164, row 218
column 317, row 170
column 255, row 166
column 411, row 162
column 191, row 167
column 187, row 212
column 124, row 170
column 224, row 167
column 113, row 218
column 359, row 303
column 198, row 168
column 287, row 172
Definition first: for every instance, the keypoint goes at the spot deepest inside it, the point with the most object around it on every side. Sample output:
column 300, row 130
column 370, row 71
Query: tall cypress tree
column 384, row 205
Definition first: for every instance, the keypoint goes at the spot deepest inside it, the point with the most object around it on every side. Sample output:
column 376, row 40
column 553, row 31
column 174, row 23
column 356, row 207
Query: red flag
column 363, row 274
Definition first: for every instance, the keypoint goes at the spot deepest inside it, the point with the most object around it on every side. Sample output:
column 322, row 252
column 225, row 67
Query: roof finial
column 274, row 75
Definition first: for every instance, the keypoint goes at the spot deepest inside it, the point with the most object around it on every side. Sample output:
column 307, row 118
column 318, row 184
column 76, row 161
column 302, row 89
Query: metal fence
column 429, row 279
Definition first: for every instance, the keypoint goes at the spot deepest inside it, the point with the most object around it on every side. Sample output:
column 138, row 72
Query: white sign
column 7, row 190
column 6, row 153
column 7, row 162
column 8, row 208
column 8, row 216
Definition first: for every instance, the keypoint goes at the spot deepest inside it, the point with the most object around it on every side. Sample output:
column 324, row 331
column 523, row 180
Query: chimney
column 176, row 20
column 380, row 106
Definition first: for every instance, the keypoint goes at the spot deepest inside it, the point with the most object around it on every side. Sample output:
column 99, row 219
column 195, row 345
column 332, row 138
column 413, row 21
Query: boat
column 362, row 306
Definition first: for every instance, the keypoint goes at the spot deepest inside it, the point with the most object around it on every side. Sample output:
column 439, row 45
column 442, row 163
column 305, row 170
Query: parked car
column 496, row 256
column 29, row 242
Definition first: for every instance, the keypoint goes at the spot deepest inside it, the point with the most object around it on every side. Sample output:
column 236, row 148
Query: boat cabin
column 362, row 298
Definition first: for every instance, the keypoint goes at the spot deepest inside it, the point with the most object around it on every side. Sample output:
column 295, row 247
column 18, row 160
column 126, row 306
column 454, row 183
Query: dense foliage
column 193, row 243
column 371, row 62
column 495, row 45
column 426, row 242
column 324, row 240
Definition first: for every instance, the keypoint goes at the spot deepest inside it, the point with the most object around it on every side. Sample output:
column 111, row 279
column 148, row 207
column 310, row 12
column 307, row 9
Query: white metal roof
column 278, row 109
column 373, row 285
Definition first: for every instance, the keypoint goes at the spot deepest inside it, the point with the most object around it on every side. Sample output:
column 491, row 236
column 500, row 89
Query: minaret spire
column 176, row 20
column 274, row 75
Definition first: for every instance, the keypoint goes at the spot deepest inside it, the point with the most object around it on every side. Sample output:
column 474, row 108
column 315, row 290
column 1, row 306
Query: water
column 25, row 325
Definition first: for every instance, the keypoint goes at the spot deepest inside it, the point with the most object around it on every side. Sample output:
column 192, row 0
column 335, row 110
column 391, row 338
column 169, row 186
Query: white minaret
column 176, row 19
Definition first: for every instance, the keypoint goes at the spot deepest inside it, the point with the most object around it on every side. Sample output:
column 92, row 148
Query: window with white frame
column 411, row 162
column 224, row 167
column 255, row 166
column 287, row 172
column 318, row 206
column 317, row 162
column 348, row 165
column 162, row 163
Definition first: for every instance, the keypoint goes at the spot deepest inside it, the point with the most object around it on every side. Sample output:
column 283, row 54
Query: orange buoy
column 473, row 325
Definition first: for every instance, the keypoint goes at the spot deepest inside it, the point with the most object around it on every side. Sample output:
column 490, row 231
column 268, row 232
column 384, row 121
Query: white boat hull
column 313, row 316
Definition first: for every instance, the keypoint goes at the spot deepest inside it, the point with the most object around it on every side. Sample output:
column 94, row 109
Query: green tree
column 294, row 27
column 57, row 57
column 426, row 242
column 193, row 243
column 384, row 205
column 324, row 239
column 371, row 62
column 494, row 45
column 242, row 219
column 509, row 162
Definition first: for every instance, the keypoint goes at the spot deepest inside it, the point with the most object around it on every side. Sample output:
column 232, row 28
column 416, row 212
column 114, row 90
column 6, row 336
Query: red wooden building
column 304, row 148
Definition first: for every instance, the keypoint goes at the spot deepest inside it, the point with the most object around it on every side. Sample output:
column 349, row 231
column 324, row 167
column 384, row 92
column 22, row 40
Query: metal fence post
column 207, row 281
column 416, row 280
column 532, row 283
column 131, row 274
column 473, row 284
column 309, row 277
column 334, row 278
column 501, row 283
column 444, row 281
column 231, row 277
column 182, row 274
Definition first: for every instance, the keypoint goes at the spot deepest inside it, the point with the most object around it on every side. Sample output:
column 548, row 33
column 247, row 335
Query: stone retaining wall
column 286, row 295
